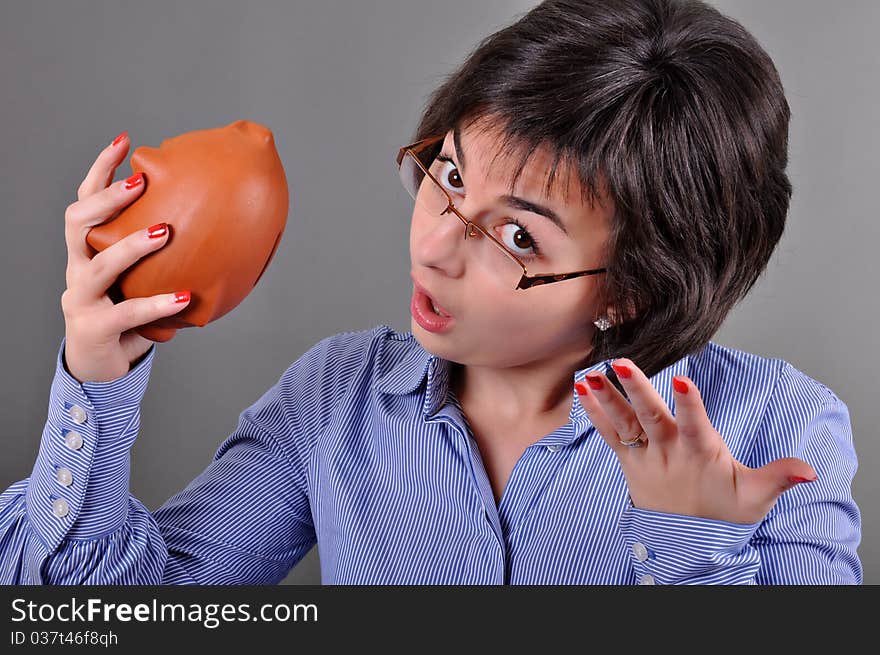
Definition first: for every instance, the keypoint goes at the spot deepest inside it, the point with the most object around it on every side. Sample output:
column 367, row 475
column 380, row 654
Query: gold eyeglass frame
column 526, row 281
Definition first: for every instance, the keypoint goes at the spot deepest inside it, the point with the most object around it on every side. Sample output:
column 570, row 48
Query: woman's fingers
column 622, row 418
column 106, row 267
column 101, row 173
column 649, row 408
column 694, row 427
column 598, row 416
column 611, row 413
column 92, row 210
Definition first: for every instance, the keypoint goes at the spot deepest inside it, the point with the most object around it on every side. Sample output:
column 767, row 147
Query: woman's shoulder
column 340, row 365
column 765, row 406
column 338, row 359
column 776, row 375
column 363, row 344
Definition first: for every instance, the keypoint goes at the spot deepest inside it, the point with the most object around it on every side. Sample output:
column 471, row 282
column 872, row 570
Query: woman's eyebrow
column 514, row 202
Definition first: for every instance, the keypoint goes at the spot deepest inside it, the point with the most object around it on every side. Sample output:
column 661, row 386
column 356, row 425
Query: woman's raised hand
column 680, row 464
column 100, row 344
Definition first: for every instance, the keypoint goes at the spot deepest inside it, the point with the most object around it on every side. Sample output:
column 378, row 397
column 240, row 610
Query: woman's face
column 495, row 325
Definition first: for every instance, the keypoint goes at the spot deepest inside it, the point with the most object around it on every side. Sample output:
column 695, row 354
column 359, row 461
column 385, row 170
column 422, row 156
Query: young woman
column 595, row 188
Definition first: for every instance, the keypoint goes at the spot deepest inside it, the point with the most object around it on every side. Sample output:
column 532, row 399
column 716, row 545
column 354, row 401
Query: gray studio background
column 341, row 84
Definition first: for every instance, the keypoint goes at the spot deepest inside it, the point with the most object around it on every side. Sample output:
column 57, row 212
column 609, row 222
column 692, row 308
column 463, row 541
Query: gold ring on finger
column 636, row 442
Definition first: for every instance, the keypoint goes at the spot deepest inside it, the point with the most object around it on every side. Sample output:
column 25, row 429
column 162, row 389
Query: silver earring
column 602, row 323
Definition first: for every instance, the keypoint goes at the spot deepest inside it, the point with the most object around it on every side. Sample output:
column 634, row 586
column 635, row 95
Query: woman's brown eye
column 518, row 240
column 522, row 239
column 454, row 178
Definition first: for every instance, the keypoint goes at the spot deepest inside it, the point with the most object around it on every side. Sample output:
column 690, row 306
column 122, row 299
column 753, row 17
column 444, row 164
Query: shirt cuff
column 79, row 486
column 679, row 549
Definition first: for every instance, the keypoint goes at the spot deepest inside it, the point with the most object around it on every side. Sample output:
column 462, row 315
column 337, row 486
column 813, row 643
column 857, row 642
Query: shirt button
column 60, row 508
column 647, row 579
column 73, row 440
column 553, row 448
column 78, row 414
column 64, row 476
column 640, row 551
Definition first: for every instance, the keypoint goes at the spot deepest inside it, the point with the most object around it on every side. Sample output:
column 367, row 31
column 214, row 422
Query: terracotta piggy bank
column 223, row 192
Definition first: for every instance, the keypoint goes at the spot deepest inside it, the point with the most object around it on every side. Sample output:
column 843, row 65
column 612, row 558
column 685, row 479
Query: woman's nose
column 442, row 242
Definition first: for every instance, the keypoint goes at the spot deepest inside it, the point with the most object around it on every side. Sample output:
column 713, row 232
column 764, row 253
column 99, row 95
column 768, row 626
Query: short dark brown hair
column 674, row 112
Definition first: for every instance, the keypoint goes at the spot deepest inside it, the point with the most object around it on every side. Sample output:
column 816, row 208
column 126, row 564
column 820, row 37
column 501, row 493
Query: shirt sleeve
column 73, row 521
column 811, row 534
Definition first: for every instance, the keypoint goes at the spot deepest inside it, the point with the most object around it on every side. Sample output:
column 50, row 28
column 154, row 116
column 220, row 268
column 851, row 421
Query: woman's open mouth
column 426, row 314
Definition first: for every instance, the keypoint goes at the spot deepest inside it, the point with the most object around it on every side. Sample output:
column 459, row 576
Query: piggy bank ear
column 223, row 192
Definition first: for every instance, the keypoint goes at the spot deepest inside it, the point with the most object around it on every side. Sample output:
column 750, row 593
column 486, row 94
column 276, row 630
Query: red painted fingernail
column 679, row 385
column 181, row 296
column 622, row 370
column 157, row 230
column 581, row 388
column 594, row 381
column 797, row 479
column 118, row 139
column 134, row 180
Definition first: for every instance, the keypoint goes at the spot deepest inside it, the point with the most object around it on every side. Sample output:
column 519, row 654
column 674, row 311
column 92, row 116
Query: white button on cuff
column 553, row 448
column 647, row 579
column 78, row 414
column 60, row 508
column 73, row 440
column 640, row 551
column 64, row 476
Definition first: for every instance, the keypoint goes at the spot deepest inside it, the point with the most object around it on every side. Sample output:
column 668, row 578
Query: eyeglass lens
column 430, row 196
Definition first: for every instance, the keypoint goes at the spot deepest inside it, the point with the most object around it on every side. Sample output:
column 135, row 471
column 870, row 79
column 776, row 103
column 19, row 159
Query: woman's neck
column 514, row 395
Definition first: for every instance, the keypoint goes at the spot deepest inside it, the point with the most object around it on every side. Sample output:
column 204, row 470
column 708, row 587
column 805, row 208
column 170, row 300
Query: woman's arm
column 244, row 520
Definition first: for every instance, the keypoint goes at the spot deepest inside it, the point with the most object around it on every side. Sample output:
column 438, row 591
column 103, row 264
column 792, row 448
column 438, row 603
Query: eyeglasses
column 437, row 201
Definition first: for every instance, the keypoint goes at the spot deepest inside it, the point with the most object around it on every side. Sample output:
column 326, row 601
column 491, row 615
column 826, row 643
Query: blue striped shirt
column 360, row 448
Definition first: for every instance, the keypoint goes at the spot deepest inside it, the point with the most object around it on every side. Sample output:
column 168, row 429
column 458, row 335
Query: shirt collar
column 404, row 365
